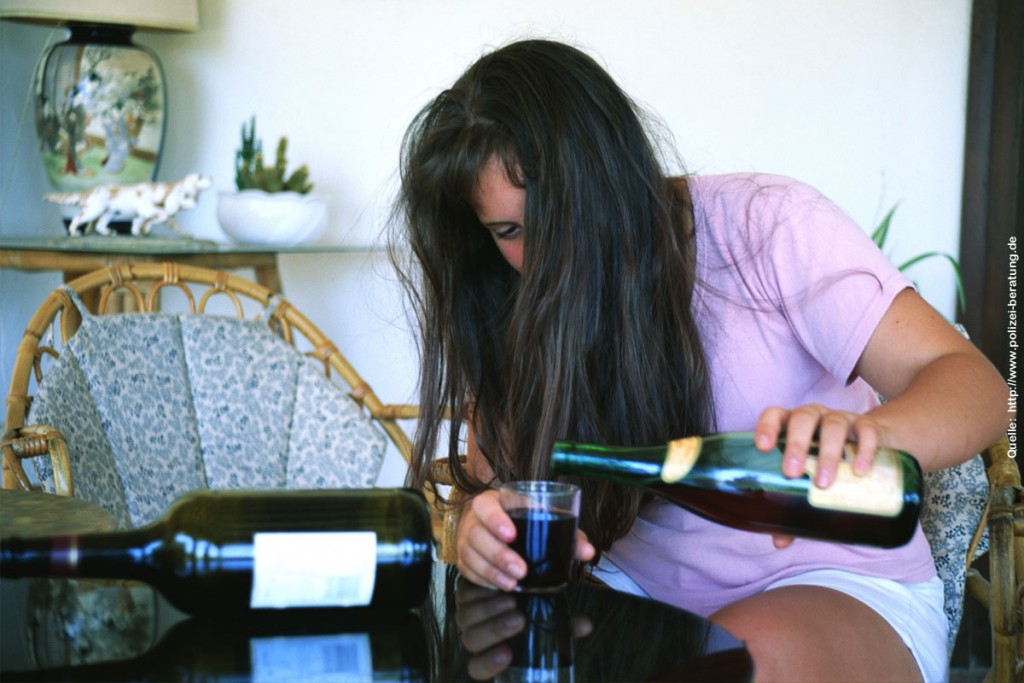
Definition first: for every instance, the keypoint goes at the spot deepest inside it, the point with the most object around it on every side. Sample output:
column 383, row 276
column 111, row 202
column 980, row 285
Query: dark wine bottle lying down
column 224, row 551
column 726, row 479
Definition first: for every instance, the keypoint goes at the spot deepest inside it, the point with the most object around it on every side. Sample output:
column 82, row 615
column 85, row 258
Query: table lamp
column 100, row 99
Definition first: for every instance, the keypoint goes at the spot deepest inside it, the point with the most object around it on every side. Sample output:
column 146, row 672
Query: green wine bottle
column 224, row 551
column 726, row 479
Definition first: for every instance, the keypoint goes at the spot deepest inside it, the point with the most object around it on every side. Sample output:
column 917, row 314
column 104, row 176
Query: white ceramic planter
column 278, row 218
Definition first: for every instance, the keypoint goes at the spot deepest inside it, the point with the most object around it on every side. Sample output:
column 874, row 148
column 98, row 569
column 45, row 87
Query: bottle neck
column 122, row 554
column 626, row 464
column 689, row 460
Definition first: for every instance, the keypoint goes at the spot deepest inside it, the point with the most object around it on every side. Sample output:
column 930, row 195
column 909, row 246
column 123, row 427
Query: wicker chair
column 98, row 401
column 1002, row 594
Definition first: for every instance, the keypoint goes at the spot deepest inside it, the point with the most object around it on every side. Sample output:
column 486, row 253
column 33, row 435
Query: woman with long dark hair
column 568, row 288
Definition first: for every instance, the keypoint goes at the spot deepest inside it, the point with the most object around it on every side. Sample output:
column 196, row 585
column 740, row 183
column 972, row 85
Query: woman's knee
column 813, row 633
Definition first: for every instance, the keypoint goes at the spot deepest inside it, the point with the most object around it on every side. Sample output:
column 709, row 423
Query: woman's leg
column 811, row 633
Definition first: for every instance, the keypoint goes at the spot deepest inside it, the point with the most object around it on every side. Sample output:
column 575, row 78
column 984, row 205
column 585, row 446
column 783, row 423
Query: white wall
column 864, row 99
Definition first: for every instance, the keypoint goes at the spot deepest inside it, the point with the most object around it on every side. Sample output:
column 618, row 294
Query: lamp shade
column 146, row 15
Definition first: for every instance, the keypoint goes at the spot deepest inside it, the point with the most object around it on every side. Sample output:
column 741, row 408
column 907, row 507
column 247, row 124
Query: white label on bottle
column 313, row 569
column 878, row 492
column 343, row 657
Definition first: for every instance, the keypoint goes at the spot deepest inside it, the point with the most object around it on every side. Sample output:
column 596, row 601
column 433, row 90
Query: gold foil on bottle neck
column 680, row 458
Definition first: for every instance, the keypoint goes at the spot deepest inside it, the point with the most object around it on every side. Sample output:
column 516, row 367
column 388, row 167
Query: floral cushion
column 232, row 357
column 954, row 499
column 329, row 446
column 155, row 405
column 60, row 402
column 135, row 371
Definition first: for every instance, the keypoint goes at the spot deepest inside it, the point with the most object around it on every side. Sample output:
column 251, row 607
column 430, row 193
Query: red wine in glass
column 546, row 540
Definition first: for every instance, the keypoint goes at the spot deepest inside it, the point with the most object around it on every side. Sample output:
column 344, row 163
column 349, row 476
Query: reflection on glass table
column 584, row 633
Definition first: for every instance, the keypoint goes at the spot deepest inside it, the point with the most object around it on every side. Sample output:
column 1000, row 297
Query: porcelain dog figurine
column 147, row 204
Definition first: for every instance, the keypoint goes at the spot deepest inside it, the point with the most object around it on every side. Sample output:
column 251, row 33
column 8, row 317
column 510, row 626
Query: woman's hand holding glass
column 482, row 539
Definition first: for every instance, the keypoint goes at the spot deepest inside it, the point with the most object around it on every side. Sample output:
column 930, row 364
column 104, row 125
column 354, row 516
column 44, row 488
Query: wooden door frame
column 993, row 186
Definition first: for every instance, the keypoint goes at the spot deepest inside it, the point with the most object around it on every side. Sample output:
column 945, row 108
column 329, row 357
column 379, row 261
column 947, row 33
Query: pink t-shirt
column 790, row 290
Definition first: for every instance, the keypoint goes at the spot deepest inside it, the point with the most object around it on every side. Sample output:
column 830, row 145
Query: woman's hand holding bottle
column 831, row 429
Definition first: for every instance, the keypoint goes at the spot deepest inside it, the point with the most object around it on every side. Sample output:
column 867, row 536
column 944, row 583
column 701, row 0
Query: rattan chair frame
column 1002, row 594
column 144, row 283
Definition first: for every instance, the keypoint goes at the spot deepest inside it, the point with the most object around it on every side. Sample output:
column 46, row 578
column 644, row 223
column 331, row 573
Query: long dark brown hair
column 595, row 340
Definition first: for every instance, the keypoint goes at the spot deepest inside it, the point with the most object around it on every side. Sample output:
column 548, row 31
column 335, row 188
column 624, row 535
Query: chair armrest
column 1003, row 593
column 33, row 441
column 440, row 474
column 1006, row 550
column 397, row 411
column 440, row 471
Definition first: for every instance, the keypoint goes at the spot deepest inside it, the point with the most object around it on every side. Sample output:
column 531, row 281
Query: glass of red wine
column 545, row 514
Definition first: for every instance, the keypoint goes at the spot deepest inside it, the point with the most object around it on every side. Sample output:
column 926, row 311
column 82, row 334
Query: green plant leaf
column 881, row 233
column 952, row 261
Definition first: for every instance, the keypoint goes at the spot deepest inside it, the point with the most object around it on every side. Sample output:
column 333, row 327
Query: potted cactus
column 271, row 205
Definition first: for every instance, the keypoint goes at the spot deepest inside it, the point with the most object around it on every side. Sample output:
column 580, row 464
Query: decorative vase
column 100, row 109
column 277, row 218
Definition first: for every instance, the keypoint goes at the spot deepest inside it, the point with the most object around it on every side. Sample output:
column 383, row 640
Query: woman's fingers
column 828, row 431
column 781, row 542
column 486, row 665
column 868, row 435
column 475, row 605
column 834, row 431
column 479, row 567
column 582, row 626
column 486, row 619
column 487, row 510
column 468, row 592
column 584, row 549
column 493, row 625
column 800, row 426
column 770, row 426
column 482, row 541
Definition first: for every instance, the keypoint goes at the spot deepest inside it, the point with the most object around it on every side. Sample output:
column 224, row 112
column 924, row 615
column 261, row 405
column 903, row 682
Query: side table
column 75, row 256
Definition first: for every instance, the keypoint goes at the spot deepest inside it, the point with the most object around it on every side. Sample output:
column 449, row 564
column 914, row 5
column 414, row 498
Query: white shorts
column 914, row 610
